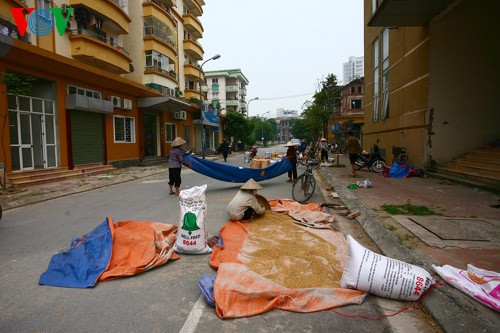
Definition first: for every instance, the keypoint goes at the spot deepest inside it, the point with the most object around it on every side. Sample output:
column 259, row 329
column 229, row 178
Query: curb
column 452, row 310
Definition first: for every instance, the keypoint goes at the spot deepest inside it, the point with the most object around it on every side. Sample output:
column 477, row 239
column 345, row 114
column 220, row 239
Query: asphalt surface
column 397, row 237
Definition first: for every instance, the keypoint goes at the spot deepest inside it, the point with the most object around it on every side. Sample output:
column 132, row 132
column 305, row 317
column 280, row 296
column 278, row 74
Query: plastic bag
column 480, row 284
column 192, row 235
column 364, row 183
column 383, row 276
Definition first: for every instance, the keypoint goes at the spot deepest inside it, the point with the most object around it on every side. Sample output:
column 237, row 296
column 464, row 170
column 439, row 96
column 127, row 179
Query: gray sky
column 283, row 47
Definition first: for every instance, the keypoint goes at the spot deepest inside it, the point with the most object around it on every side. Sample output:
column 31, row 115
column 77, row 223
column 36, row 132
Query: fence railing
column 102, row 38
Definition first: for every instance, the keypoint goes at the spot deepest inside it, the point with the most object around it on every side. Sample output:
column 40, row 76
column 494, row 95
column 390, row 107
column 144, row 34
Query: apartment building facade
column 113, row 87
column 285, row 120
column 431, row 77
column 353, row 69
column 227, row 90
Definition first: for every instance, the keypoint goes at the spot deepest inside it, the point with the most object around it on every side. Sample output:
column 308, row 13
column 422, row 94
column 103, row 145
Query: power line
column 284, row 97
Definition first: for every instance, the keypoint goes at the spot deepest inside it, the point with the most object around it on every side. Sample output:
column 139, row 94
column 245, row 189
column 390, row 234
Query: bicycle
column 399, row 154
column 304, row 186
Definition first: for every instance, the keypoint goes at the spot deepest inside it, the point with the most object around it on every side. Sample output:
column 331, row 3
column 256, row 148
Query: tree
column 317, row 112
column 239, row 127
column 326, row 101
column 17, row 84
column 302, row 130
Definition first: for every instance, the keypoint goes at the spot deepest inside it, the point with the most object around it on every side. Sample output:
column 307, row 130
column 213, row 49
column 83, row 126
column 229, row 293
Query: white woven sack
column 192, row 235
column 383, row 276
column 480, row 284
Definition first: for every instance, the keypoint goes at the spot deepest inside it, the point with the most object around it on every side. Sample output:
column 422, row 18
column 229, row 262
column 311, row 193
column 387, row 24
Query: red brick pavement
column 449, row 199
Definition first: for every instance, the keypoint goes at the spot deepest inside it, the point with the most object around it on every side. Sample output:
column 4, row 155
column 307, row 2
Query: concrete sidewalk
column 466, row 231
column 43, row 192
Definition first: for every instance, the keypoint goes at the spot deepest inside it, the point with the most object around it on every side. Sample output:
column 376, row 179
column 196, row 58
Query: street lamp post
column 217, row 56
column 248, row 105
column 263, row 126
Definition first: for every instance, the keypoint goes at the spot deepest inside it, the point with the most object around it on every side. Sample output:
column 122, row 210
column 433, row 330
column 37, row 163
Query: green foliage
column 178, row 92
column 266, row 129
column 17, row 84
column 239, row 127
column 302, row 130
column 318, row 112
column 195, row 100
column 409, row 209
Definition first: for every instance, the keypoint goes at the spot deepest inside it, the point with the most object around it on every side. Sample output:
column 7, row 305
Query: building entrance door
column 32, row 133
column 150, row 136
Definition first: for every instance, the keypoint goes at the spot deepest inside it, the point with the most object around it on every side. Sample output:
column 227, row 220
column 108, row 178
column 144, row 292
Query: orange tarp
column 139, row 246
column 273, row 263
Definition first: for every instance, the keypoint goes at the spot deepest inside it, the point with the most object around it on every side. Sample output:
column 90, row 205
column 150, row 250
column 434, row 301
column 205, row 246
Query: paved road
column 166, row 299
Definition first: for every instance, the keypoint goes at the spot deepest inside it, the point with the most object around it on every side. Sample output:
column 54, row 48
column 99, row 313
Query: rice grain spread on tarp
column 273, row 263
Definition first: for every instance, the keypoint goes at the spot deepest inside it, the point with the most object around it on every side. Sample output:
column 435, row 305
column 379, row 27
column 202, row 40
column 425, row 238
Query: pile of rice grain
column 290, row 255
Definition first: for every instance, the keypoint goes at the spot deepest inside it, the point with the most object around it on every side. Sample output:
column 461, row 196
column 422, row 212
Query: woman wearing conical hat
column 245, row 203
column 174, row 165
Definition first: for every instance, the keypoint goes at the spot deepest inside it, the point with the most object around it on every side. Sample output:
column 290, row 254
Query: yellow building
column 431, row 77
column 112, row 83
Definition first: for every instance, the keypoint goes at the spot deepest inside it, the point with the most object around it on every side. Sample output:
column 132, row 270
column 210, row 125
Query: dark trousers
column 293, row 172
column 174, row 176
column 248, row 213
column 224, row 154
column 324, row 155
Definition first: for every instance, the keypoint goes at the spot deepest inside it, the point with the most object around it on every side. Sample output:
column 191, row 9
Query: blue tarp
column 235, row 174
column 82, row 264
column 400, row 170
column 206, row 285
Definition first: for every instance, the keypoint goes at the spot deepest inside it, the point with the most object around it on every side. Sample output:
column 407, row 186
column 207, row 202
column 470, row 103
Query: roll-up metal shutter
column 87, row 137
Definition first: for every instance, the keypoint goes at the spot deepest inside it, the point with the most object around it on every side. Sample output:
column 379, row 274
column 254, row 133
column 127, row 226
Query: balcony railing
column 10, row 29
column 162, row 89
column 102, row 38
column 158, row 33
column 160, row 4
column 123, row 4
column 169, row 72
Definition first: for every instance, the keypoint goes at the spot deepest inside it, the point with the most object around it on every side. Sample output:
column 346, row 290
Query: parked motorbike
column 374, row 161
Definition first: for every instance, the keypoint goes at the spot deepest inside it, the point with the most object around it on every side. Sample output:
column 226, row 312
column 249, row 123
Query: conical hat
column 290, row 144
column 251, row 185
column 323, row 139
column 178, row 141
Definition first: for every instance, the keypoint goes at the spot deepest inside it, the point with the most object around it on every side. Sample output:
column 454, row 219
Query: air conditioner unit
column 117, row 101
column 183, row 115
column 127, row 104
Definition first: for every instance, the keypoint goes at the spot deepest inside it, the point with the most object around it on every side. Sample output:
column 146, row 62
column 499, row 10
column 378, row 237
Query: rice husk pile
column 290, row 255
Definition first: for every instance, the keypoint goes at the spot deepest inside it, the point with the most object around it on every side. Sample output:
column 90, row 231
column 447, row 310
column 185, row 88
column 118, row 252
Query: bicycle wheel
column 378, row 166
column 303, row 188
